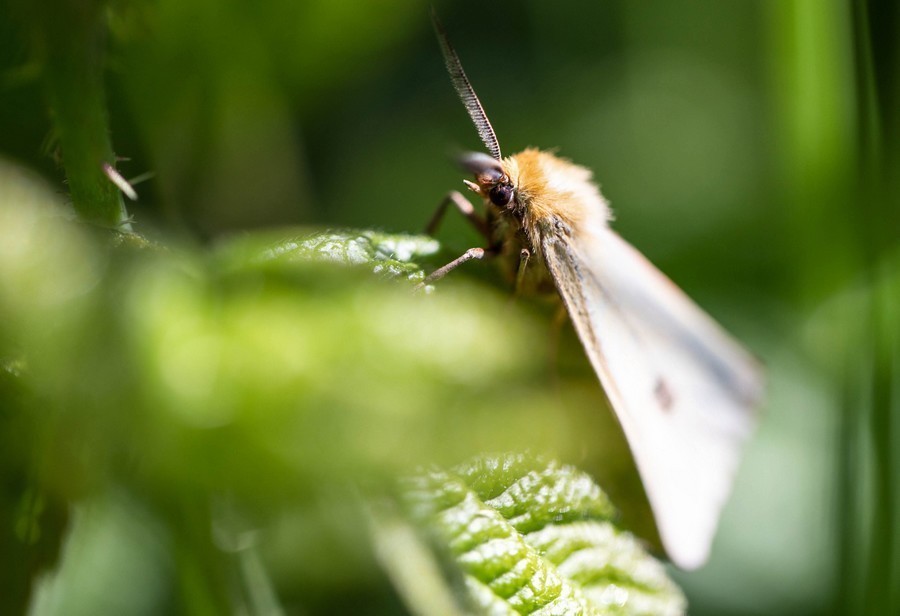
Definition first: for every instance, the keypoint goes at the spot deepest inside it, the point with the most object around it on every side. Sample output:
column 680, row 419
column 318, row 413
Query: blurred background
column 748, row 148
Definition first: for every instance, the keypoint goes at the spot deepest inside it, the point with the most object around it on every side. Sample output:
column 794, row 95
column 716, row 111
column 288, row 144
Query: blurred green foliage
column 191, row 422
column 159, row 378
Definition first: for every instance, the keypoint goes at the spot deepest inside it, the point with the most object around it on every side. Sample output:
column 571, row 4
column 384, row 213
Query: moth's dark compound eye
column 501, row 194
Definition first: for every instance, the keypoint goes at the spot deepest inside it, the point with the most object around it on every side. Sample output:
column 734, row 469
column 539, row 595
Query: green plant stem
column 874, row 200
column 72, row 35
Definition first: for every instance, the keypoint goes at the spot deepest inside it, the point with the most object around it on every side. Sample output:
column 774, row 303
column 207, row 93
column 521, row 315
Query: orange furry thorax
column 549, row 186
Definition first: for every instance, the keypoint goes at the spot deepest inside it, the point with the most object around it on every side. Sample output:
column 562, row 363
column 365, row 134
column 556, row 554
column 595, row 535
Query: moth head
column 491, row 180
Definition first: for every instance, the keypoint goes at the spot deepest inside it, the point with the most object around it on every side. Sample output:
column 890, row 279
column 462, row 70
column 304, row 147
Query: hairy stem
column 70, row 36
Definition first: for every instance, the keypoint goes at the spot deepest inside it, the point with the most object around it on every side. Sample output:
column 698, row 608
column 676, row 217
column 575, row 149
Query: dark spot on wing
column 663, row 394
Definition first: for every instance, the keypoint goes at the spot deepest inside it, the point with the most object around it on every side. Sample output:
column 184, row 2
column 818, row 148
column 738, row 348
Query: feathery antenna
column 465, row 90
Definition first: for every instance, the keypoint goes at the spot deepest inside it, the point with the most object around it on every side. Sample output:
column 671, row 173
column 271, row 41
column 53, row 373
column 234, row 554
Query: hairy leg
column 465, row 208
column 471, row 253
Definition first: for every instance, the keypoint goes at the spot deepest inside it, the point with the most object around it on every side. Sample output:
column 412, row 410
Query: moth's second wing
column 683, row 390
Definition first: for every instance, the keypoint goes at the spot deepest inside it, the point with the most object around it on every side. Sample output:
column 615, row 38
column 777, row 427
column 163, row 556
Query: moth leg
column 471, row 253
column 465, row 208
column 524, row 256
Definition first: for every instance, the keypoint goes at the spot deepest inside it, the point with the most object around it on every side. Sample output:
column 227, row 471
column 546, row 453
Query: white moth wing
column 683, row 390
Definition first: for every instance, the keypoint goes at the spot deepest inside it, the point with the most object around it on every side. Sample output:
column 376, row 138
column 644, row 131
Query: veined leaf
column 392, row 255
column 535, row 537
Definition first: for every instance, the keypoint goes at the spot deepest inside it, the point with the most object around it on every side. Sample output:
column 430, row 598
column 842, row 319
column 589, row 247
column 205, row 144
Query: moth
column 683, row 390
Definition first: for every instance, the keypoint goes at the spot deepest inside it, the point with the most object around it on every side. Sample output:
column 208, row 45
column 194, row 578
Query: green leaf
column 529, row 536
column 391, row 255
